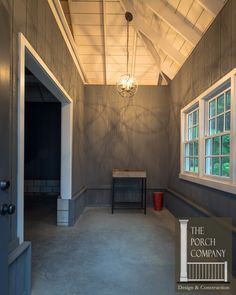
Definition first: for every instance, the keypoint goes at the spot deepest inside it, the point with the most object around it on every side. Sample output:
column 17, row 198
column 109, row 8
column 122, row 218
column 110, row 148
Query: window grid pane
column 191, row 144
column 217, row 147
column 217, row 155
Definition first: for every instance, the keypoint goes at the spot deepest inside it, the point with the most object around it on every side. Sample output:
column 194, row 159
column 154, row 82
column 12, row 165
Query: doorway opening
column 31, row 64
column 42, row 152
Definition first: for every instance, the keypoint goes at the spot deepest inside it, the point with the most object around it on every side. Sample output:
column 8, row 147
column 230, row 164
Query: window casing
column 217, row 139
column 191, row 142
column 208, row 152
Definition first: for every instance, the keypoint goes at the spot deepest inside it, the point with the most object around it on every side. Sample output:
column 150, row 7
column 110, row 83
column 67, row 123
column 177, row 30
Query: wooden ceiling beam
column 163, row 72
column 175, row 21
column 141, row 25
column 212, row 6
column 150, row 47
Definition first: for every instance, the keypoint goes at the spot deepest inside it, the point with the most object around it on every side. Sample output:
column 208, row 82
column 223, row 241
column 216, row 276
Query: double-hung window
column 217, row 140
column 208, row 136
column 191, row 142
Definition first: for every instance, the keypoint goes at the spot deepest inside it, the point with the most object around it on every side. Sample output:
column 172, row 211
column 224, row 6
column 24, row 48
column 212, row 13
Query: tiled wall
column 42, row 186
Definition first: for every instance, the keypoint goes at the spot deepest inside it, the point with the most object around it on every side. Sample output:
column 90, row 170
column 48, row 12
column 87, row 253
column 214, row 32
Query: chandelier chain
column 127, row 85
column 127, row 65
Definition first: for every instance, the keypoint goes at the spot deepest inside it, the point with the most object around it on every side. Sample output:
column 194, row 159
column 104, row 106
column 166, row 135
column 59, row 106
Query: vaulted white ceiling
column 162, row 35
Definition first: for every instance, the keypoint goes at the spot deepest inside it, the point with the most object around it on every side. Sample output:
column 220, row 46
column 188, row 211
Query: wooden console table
column 129, row 174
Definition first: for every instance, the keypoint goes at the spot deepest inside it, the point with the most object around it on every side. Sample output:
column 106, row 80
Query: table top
column 127, row 173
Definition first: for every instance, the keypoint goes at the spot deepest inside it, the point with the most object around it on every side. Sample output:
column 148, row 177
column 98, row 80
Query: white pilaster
column 183, row 250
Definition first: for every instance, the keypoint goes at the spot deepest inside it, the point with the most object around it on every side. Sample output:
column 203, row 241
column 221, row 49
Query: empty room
column 117, row 147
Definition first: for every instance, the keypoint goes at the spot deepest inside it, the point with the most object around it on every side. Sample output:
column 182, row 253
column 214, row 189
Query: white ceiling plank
column 94, row 67
column 86, row 7
column 167, row 14
column 204, row 21
column 95, row 81
column 116, row 59
column 119, row 40
column 183, row 7
column 150, row 69
column 116, row 68
column 142, row 51
column 117, row 50
column 97, row 74
column 93, row 50
column 89, row 40
column 186, row 48
column 99, row 30
column 88, row 30
column 86, row 19
column 174, row 3
column 212, row 6
column 141, row 25
column 194, row 13
column 116, row 20
column 119, row 31
column 114, row 7
column 86, row 58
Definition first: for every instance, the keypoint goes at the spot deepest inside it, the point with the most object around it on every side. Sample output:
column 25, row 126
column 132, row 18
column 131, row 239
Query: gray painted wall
column 120, row 133
column 213, row 57
column 125, row 133
column 35, row 20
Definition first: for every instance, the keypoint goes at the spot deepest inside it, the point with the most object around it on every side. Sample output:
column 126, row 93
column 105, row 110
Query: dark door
column 4, row 142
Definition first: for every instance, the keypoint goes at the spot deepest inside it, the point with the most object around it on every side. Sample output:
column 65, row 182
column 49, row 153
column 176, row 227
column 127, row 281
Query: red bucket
column 158, row 201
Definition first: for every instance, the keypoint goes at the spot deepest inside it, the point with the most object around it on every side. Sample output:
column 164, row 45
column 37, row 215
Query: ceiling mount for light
column 127, row 85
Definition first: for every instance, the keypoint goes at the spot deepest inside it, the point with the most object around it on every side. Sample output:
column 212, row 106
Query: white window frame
column 227, row 184
column 186, row 136
column 220, row 134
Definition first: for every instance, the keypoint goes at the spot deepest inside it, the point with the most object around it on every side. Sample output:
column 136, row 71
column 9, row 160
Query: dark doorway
column 42, row 153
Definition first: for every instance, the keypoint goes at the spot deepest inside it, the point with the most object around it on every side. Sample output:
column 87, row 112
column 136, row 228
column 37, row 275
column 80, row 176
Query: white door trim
column 30, row 58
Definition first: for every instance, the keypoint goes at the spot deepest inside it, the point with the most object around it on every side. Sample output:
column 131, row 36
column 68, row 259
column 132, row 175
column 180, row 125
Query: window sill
column 225, row 186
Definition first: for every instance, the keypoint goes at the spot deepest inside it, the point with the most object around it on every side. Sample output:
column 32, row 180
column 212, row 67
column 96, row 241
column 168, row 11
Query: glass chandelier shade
column 127, row 85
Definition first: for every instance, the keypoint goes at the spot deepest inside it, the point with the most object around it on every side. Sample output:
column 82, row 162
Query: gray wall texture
column 214, row 56
column 126, row 133
column 35, row 20
column 141, row 133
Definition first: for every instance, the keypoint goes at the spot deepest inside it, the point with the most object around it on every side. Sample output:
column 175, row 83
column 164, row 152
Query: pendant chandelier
column 127, row 85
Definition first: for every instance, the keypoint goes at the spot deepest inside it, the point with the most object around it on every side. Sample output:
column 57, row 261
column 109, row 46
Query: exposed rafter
column 134, row 54
column 162, row 37
column 212, row 6
column 167, row 13
column 148, row 44
column 142, row 26
column 104, row 39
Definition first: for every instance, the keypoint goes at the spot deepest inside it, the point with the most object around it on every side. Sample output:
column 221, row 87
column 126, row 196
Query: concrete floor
column 103, row 254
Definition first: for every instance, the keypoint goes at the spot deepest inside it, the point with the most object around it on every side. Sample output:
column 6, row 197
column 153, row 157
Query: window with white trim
column 191, row 142
column 208, row 140
column 217, row 140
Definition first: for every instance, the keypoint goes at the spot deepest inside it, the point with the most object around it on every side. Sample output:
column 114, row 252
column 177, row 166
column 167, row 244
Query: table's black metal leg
column 113, row 195
column 142, row 193
column 145, row 196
